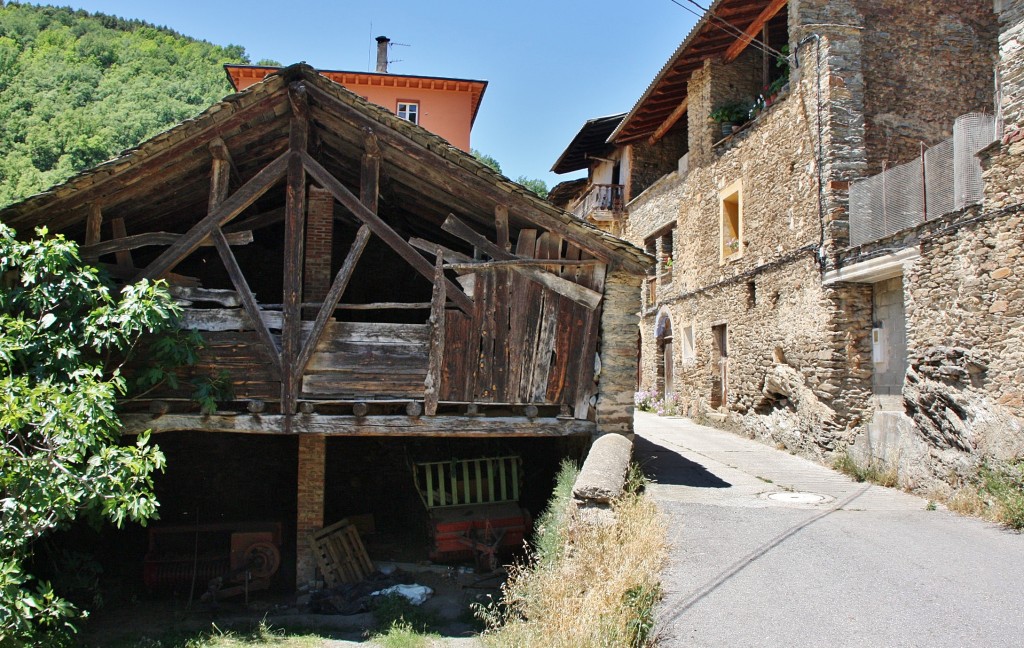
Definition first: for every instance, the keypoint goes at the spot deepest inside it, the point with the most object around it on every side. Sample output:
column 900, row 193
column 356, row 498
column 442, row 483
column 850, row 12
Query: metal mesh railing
column 946, row 178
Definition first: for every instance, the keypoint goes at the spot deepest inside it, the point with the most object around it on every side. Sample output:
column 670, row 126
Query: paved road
column 868, row 566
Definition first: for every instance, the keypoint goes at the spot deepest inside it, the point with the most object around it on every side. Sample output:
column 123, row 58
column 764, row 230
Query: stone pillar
column 319, row 241
column 310, row 505
column 618, row 353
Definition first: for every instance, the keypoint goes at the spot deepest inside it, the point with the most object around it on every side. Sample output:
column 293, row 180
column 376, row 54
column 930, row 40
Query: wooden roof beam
column 670, row 121
column 753, row 29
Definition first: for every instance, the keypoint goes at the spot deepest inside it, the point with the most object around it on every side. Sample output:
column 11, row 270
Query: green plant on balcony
column 731, row 114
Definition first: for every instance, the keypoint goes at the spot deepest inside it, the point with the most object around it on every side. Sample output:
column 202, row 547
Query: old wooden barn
column 374, row 295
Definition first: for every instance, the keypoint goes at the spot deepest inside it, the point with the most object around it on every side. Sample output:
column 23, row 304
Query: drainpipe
column 820, row 154
column 382, row 54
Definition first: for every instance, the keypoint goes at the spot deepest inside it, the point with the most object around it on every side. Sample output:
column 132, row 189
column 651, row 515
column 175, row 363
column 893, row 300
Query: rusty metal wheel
column 262, row 559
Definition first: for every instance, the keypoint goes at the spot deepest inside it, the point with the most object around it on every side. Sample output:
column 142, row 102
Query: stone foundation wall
column 781, row 316
column 965, row 336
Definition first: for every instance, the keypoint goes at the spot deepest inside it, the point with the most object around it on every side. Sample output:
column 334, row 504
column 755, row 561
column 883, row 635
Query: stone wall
column 649, row 162
column 924, row 66
column 965, row 335
column 617, row 351
column 780, row 320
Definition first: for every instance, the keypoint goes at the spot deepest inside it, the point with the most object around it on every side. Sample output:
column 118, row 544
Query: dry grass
column 997, row 495
column 599, row 592
column 875, row 472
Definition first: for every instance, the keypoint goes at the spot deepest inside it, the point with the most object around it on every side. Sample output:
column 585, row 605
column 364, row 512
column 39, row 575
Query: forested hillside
column 77, row 88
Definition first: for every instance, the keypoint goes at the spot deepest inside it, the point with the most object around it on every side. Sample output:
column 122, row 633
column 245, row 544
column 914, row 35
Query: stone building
column 769, row 312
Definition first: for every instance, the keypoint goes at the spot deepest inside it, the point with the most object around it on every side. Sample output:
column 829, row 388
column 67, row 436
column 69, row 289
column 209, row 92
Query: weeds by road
column 589, row 585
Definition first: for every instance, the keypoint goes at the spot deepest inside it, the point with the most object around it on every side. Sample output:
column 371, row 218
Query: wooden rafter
column 246, row 195
column 752, row 30
column 670, row 121
column 456, row 180
column 382, row 229
column 577, row 293
column 219, row 181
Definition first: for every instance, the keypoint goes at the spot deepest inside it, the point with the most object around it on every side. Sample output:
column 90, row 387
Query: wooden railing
column 609, row 198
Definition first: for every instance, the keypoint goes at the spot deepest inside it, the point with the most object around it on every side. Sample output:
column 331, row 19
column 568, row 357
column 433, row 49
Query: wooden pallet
column 340, row 552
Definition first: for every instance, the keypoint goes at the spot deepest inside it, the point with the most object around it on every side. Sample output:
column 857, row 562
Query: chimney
column 382, row 54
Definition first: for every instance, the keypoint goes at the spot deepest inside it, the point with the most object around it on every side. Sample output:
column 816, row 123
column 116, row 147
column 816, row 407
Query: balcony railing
column 946, row 178
column 603, row 202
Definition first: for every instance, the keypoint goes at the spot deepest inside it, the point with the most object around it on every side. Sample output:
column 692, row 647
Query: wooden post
column 294, row 235
column 124, row 257
column 432, row 384
column 220, row 178
column 501, row 227
column 92, row 227
column 369, row 190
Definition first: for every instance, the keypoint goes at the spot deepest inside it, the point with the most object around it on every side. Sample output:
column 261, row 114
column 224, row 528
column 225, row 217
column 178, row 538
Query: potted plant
column 730, row 115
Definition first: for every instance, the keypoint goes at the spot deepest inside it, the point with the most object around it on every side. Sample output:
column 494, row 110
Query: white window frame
column 686, row 348
column 409, row 111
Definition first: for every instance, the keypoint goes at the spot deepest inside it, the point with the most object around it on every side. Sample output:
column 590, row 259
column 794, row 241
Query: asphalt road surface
column 768, row 549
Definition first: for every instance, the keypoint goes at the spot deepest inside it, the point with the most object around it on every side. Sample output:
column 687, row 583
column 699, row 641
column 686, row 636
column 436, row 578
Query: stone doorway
column 719, row 366
column 888, row 338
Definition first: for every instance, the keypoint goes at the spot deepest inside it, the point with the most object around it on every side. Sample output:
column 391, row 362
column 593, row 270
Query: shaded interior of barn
column 216, row 485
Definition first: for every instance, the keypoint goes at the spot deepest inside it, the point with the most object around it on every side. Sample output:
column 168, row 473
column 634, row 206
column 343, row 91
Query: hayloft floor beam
column 294, row 239
column 383, row 230
column 568, row 289
column 246, row 195
column 395, row 426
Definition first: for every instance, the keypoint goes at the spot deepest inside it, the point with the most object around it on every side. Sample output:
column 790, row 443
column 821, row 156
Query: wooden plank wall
column 524, row 343
column 367, row 360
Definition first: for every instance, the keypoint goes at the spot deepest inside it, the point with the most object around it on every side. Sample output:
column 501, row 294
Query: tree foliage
column 63, row 339
column 77, row 88
column 536, row 185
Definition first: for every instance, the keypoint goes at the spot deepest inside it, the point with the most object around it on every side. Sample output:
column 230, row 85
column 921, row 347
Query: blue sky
column 550, row 65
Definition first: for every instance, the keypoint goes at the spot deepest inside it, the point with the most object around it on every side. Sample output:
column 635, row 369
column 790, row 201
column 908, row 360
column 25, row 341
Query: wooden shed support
column 432, row 384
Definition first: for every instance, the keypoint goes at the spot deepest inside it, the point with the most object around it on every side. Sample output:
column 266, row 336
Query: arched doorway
column 663, row 337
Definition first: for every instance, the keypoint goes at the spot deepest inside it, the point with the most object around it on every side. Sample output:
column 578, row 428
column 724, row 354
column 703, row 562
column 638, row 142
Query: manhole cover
column 798, row 498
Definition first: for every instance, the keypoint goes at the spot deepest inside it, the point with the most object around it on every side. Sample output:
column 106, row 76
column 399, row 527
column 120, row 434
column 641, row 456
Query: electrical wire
column 730, row 29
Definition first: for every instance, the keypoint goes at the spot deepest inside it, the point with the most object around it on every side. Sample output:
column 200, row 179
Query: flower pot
column 728, row 128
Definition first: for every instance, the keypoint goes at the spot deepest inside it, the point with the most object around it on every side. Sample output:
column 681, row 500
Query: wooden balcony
column 602, row 202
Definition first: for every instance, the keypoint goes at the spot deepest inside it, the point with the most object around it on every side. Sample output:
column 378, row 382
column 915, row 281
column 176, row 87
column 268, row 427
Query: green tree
column 486, row 159
column 536, row 185
column 78, row 88
column 63, row 339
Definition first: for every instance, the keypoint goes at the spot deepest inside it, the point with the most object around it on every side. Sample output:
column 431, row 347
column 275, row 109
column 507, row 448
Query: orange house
column 446, row 107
